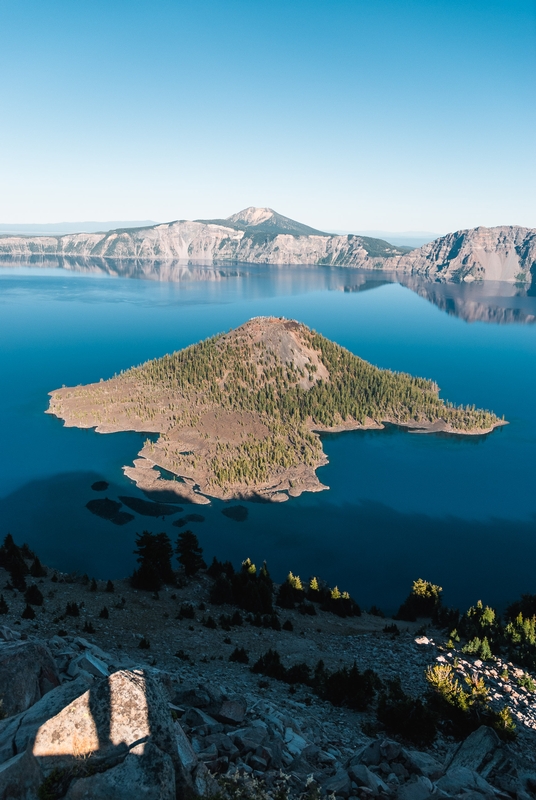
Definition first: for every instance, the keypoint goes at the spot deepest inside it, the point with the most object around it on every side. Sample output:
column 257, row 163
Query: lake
column 459, row 511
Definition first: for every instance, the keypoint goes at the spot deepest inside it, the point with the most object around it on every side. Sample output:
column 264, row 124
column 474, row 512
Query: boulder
column 418, row 788
column 233, row 711
column 196, row 718
column 248, row 739
column 17, row 732
column 204, row 783
column 196, row 697
column 8, row 635
column 423, row 764
column 370, row 755
column 90, row 664
column 390, row 750
column 116, row 714
column 295, row 743
column 185, row 751
column 363, row 776
column 145, row 773
column 481, row 751
column 27, row 672
column 463, row 779
column 20, row 777
column 339, row 784
column 225, row 745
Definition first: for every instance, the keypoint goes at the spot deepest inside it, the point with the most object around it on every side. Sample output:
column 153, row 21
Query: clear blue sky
column 345, row 114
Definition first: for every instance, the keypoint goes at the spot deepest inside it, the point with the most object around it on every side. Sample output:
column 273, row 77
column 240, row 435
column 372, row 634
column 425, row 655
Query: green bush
column 461, row 711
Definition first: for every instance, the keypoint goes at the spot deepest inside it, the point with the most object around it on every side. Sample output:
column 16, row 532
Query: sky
column 343, row 114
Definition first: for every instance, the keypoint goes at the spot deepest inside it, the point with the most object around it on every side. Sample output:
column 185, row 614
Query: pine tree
column 33, row 596
column 189, row 553
column 154, row 553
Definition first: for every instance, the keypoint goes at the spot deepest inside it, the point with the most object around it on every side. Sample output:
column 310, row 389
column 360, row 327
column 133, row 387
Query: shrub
column 93, row 585
column 287, row 625
column 236, row 619
column 4, row 608
column 526, row 682
column 307, row 609
column 88, row 627
column 270, row 665
column 239, row 655
column 478, row 647
column 393, row 628
column 464, row 710
column 72, row 610
column 244, row 589
column 110, row 587
column 406, row 716
column 347, row 687
column 33, row 595
column 210, row 622
column 186, row 611
column 104, row 613
column 28, row 612
column 144, row 643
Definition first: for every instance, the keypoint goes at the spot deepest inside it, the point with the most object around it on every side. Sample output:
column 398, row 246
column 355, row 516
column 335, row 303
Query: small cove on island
column 455, row 510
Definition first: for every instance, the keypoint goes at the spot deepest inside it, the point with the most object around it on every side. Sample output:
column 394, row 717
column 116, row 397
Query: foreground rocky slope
column 114, row 721
column 260, row 235
column 239, row 414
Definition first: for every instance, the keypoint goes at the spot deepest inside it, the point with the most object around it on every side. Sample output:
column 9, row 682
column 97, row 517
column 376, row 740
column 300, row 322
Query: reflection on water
column 496, row 302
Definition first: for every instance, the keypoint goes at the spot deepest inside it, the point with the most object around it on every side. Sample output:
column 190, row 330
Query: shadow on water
column 51, row 515
column 367, row 548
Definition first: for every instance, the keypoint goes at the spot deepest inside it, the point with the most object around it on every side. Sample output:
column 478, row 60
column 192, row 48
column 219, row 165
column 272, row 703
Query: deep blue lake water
column 458, row 511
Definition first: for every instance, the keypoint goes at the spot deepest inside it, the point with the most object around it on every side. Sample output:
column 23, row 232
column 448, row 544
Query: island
column 239, row 415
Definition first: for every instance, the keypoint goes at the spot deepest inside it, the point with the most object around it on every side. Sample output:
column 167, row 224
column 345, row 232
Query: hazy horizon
column 350, row 115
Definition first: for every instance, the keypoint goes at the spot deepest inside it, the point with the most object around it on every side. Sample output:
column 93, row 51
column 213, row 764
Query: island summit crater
column 239, row 415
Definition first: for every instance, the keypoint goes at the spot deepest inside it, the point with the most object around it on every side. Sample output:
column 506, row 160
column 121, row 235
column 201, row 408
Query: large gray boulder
column 113, row 716
column 27, row 672
column 419, row 788
column 363, row 776
column 146, row 773
column 423, row 764
column 17, row 732
column 459, row 780
column 481, row 751
column 20, row 777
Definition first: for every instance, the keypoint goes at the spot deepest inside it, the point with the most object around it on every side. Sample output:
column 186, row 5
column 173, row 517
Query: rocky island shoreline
column 239, row 416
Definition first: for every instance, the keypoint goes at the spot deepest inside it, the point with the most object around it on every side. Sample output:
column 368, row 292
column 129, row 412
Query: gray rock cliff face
column 505, row 253
column 261, row 236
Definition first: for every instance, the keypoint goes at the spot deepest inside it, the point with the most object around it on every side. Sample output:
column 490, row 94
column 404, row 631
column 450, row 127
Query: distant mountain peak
column 253, row 215
column 255, row 220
